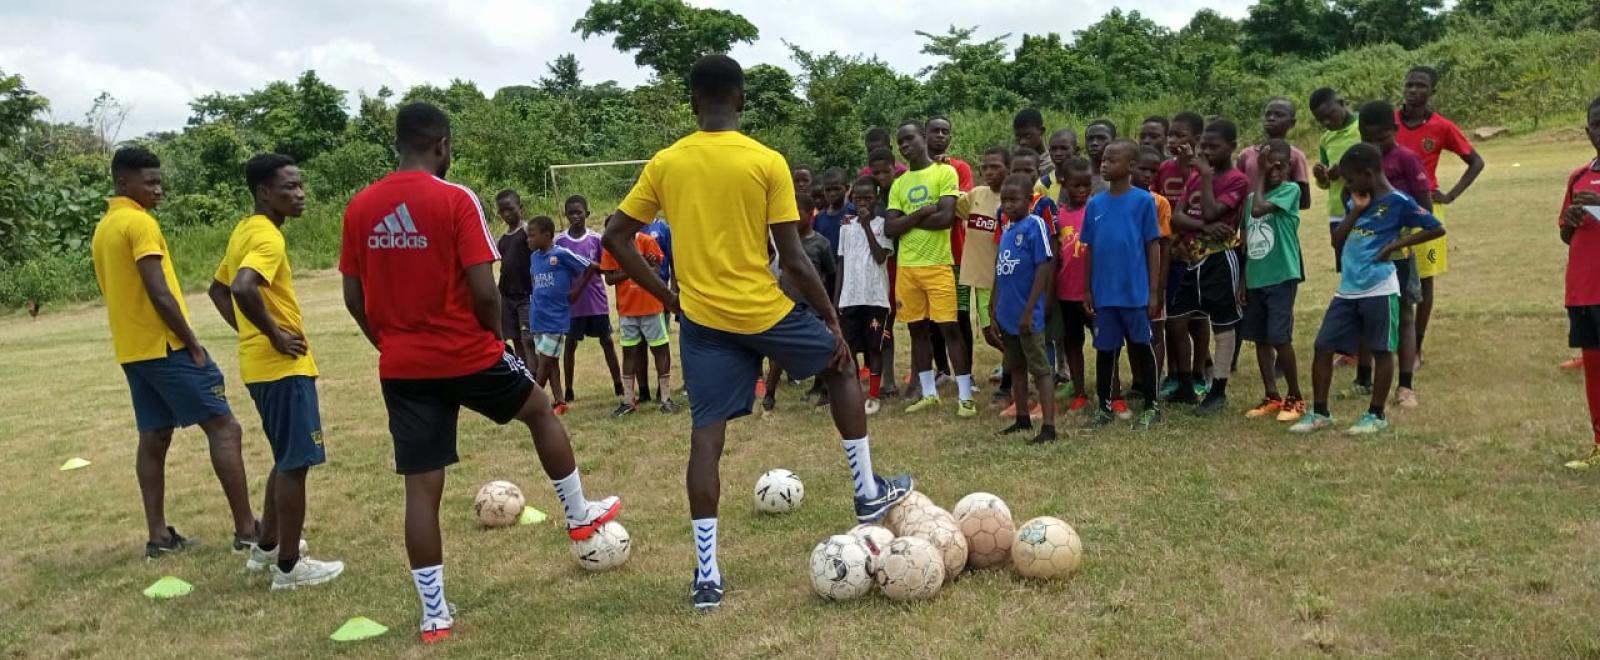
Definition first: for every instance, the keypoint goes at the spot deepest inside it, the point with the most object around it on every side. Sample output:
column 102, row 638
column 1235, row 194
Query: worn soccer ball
column 1046, row 548
column 779, row 491
column 606, row 549
column 841, row 568
column 986, row 522
column 910, row 569
column 498, row 504
column 938, row 527
column 877, row 538
column 910, row 507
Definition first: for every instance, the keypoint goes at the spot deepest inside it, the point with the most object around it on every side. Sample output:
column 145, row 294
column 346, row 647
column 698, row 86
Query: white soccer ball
column 779, row 491
column 1046, row 548
column 877, row 538
column 498, row 504
column 910, row 569
column 938, row 527
column 606, row 549
column 908, row 507
column 841, row 568
column 986, row 522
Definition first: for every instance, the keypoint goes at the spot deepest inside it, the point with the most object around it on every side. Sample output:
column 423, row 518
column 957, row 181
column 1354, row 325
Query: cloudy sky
column 156, row 56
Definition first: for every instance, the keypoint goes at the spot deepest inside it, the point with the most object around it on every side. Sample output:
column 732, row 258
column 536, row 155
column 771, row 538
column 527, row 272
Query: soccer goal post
column 607, row 180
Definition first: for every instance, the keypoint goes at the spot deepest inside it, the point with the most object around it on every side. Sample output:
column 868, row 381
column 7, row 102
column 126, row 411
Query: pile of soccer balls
column 500, row 504
column 920, row 547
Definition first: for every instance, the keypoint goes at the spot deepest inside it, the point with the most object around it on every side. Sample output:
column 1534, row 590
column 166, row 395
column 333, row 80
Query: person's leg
column 1591, row 389
column 963, row 368
column 267, row 537
column 1105, row 363
column 1424, row 314
column 610, row 351
column 1226, row 344
column 663, row 358
column 704, row 485
column 964, row 322
column 150, row 465
column 569, row 352
column 227, row 461
column 1200, row 355
column 1142, row 358
column 940, row 352
column 1407, row 359
column 922, row 355
column 774, row 376
column 1382, row 378
column 1014, row 361
column 425, row 551
column 1291, row 369
column 631, row 360
column 289, row 497
column 1321, row 380
column 1178, row 354
column 1267, row 363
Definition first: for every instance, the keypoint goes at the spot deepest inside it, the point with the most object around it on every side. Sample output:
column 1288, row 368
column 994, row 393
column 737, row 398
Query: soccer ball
column 779, row 491
column 908, row 507
column 1046, row 547
column 877, row 538
column 498, row 504
column 986, row 522
column 606, row 549
column 938, row 527
column 910, row 569
column 841, row 568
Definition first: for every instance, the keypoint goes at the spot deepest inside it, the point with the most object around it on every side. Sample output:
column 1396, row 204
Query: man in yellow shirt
column 726, row 193
column 170, row 376
column 253, row 290
column 922, row 208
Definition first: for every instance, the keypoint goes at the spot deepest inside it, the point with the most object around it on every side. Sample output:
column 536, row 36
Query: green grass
column 1457, row 534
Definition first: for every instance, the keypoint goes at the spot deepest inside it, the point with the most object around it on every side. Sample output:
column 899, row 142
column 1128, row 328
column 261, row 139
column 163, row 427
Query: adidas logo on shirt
column 398, row 232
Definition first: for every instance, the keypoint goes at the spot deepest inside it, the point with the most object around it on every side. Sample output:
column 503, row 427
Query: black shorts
column 1405, row 270
column 422, row 412
column 514, row 318
column 863, row 327
column 1269, row 314
column 1075, row 322
column 597, row 326
column 1209, row 290
column 1583, row 326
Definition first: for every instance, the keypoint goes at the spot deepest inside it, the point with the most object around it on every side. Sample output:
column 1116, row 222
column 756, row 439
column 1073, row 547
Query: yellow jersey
column 124, row 235
column 257, row 244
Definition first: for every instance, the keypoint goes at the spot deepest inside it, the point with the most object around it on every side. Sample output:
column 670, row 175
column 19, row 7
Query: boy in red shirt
column 1580, row 230
column 418, row 261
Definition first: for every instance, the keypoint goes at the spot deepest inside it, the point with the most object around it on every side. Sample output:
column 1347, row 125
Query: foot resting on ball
column 890, row 492
column 600, row 512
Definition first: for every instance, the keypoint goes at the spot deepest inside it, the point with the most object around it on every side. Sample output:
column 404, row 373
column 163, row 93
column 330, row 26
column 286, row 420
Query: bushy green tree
column 665, row 35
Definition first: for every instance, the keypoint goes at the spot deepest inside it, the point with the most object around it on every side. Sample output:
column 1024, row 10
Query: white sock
column 570, row 490
column 929, row 386
column 859, row 454
column 430, row 588
column 705, row 550
column 964, row 386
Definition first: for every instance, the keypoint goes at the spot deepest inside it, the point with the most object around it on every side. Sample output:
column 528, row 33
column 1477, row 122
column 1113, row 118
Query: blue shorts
column 720, row 368
column 1115, row 325
column 290, row 418
column 171, row 392
column 1351, row 323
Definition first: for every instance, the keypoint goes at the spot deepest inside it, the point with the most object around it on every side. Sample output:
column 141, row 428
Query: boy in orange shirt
column 640, row 320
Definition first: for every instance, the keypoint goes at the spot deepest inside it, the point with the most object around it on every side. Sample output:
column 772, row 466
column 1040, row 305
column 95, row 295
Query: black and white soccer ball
column 841, row 568
column 779, row 491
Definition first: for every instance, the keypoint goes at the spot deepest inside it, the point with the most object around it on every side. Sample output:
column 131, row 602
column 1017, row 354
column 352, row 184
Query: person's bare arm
column 1043, row 276
column 1259, row 206
column 1153, row 256
column 1475, row 166
column 1341, row 233
column 618, row 238
column 486, row 297
column 222, row 299
column 896, row 224
column 614, row 277
column 355, row 302
column 166, row 304
column 880, row 254
column 246, row 290
column 942, row 216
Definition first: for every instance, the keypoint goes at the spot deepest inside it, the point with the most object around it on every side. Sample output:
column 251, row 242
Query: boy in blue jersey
column 1366, row 307
column 554, row 270
column 1024, row 271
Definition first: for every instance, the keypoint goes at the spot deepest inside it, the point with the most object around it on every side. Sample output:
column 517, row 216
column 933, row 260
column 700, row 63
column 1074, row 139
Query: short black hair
column 865, row 181
column 1284, row 100
column 801, row 168
column 1363, row 157
column 1147, row 152
column 1430, row 72
column 1224, row 127
column 1076, row 165
column 1063, row 131
column 1191, row 120
column 1022, row 181
column 880, row 155
column 128, row 159
column 1028, row 118
column 507, row 194
column 1110, row 125
column 418, row 126
column 1024, row 152
column 575, row 199
column 1157, row 119
column 1276, row 147
column 1322, row 96
column 877, row 134
column 716, row 77
column 939, row 118
column 1376, row 114
column 542, row 223
column 1004, row 153
column 921, row 128
column 1122, row 143
column 262, row 168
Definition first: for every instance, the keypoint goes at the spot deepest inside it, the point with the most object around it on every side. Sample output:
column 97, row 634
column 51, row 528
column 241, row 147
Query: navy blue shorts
column 1351, row 323
column 1269, row 314
column 720, row 368
column 1115, row 325
column 290, row 418
column 171, row 392
column 597, row 326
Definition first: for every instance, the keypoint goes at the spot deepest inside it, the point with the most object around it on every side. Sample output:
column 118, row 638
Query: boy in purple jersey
column 591, row 314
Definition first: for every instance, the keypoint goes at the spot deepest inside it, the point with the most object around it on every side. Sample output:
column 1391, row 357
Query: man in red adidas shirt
column 1580, row 230
column 417, row 260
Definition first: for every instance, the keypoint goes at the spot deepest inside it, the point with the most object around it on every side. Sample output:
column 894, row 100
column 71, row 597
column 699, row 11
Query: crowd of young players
column 1153, row 245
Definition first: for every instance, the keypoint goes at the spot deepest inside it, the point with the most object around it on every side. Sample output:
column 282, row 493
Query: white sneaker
column 872, row 406
column 305, row 573
column 260, row 559
column 600, row 512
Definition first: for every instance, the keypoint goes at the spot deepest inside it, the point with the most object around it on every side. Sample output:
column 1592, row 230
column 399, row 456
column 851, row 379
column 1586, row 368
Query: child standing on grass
column 591, row 311
column 863, row 289
column 1339, row 134
column 979, row 210
column 1580, row 230
column 1365, row 310
column 1272, row 273
column 559, row 275
column 1025, row 161
column 1123, row 287
column 1023, row 274
column 884, row 169
column 1277, row 119
column 1075, row 319
column 1144, row 177
column 641, row 320
column 821, row 255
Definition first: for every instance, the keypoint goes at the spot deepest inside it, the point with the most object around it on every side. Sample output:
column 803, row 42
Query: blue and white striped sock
column 430, row 588
column 859, row 454
column 570, row 490
column 705, row 551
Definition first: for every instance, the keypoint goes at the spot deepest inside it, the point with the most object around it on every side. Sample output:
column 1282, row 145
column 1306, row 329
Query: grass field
column 1456, row 534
